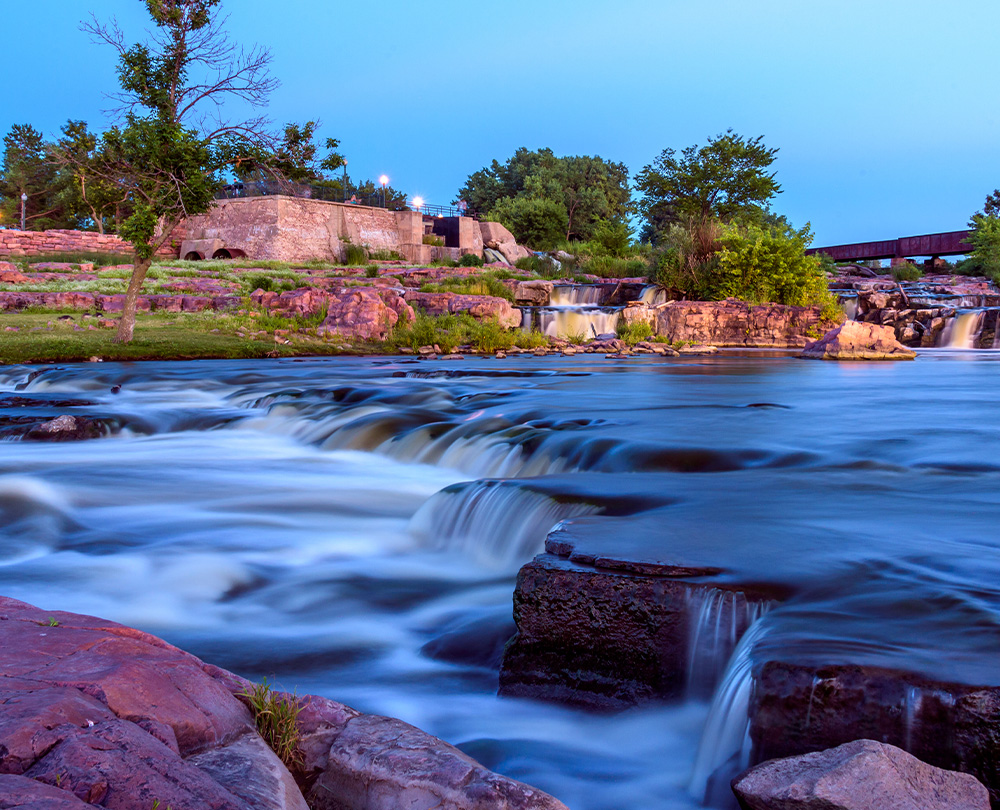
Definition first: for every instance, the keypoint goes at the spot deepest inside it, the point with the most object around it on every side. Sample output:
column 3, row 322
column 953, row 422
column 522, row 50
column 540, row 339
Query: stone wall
column 40, row 243
column 297, row 229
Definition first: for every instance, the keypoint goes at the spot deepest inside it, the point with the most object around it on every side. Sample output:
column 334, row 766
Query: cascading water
column 574, row 310
column 724, row 749
column 315, row 520
column 962, row 330
column 719, row 618
column 493, row 522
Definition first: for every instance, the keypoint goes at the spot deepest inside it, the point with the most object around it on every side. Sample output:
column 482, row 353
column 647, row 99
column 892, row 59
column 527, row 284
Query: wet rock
column 859, row 775
column 853, row 340
column 799, row 708
column 66, row 428
column 600, row 633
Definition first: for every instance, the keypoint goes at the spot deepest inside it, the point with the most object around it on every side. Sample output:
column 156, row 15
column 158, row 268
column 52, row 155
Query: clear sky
column 885, row 111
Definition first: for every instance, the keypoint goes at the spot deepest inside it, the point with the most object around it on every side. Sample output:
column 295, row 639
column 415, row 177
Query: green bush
column 371, row 271
column 490, row 336
column 985, row 240
column 470, row 260
column 354, row 255
column 530, row 340
column 385, row 256
column 632, row 333
column 431, row 239
column 259, row 281
column 907, row 272
column 539, row 265
column 613, row 238
column 480, row 284
column 614, row 267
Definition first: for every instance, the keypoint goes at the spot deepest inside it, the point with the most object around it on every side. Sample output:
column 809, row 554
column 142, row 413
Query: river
column 311, row 520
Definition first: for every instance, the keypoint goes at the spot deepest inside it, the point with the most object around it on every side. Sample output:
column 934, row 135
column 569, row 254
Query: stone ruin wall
column 296, row 229
column 41, row 243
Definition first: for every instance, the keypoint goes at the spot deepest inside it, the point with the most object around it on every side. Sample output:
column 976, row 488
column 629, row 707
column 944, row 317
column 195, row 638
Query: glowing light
column 418, row 202
column 384, row 180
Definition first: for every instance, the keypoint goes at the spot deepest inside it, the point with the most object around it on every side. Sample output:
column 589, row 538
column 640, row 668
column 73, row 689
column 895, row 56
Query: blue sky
column 886, row 112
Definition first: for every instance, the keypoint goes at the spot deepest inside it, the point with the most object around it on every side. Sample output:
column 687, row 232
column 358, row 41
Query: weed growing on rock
column 276, row 718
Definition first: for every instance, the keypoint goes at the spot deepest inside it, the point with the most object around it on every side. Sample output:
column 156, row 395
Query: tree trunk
column 126, row 325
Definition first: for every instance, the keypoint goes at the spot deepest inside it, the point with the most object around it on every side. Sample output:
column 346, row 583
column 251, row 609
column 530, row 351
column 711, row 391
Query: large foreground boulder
column 96, row 714
column 853, row 340
column 859, row 775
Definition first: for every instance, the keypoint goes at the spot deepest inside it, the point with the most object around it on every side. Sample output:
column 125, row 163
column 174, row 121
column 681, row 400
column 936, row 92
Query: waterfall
column 724, row 749
column 494, row 522
column 576, row 295
column 574, row 321
column 962, row 330
column 850, row 307
column 719, row 620
column 653, row 295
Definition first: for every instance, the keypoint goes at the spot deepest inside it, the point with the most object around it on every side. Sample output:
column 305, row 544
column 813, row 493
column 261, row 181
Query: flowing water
column 353, row 527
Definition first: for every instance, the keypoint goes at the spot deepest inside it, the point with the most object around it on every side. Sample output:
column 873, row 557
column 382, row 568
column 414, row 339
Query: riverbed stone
column 859, row 775
column 853, row 340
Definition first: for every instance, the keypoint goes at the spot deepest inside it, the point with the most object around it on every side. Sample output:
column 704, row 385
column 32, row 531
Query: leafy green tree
column 587, row 189
column 173, row 150
column 91, row 200
column 984, row 260
column 27, row 169
column 534, row 221
column 726, row 179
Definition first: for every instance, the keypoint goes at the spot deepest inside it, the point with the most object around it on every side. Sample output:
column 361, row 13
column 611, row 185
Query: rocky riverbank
column 96, row 714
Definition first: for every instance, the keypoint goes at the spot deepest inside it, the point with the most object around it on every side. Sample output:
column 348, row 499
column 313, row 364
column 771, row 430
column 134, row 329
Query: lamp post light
column 24, row 199
column 345, row 181
column 418, row 203
column 384, row 181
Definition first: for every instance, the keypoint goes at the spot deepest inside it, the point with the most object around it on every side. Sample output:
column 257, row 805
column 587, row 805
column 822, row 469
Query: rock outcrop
column 480, row 307
column 497, row 237
column 96, row 714
column 9, row 274
column 736, row 323
column 853, row 340
column 859, row 775
column 364, row 312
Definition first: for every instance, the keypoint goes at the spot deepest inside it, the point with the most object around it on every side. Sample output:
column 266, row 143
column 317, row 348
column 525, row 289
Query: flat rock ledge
column 859, row 775
column 97, row 714
column 853, row 340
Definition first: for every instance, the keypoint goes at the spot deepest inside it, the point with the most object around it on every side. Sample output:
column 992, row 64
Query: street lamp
column 345, row 181
column 418, row 203
column 24, row 199
column 384, row 180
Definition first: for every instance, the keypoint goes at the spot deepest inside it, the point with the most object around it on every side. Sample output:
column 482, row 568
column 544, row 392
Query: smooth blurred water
column 353, row 527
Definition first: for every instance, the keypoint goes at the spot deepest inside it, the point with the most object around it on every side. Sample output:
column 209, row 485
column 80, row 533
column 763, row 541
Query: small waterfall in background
column 724, row 749
column 576, row 295
column 719, row 619
column 961, row 331
column 849, row 304
column 653, row 295
column 574, row 311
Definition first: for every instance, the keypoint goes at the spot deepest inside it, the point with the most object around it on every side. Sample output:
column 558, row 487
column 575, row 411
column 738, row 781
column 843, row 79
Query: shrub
column 385, row 256
column 539, row 265
column 354, row 255
column 470, row 260
column 431, row 239
column 907, row 272
column 371, row 271
column 530, row 340
column 276, row 719
column 259, row 281
column 490, row 336
column 481, row 284
column 632, row 333
column 614, row 267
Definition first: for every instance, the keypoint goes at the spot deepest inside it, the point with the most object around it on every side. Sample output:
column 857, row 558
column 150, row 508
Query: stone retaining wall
column 41, row 243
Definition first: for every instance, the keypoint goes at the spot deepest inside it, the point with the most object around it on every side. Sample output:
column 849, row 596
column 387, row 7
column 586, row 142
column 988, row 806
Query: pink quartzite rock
column 480, row 307
column 22, row 793
column 737, row 323
column 9, row 274
column 364, row 312
column 853, row 340
column 497, row 237
column 859, row 775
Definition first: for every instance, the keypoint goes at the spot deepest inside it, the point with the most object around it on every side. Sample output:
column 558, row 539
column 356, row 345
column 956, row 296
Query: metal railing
column 286, row 188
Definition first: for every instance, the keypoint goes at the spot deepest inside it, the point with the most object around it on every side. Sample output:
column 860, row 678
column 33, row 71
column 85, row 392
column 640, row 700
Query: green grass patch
column 479, row 284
